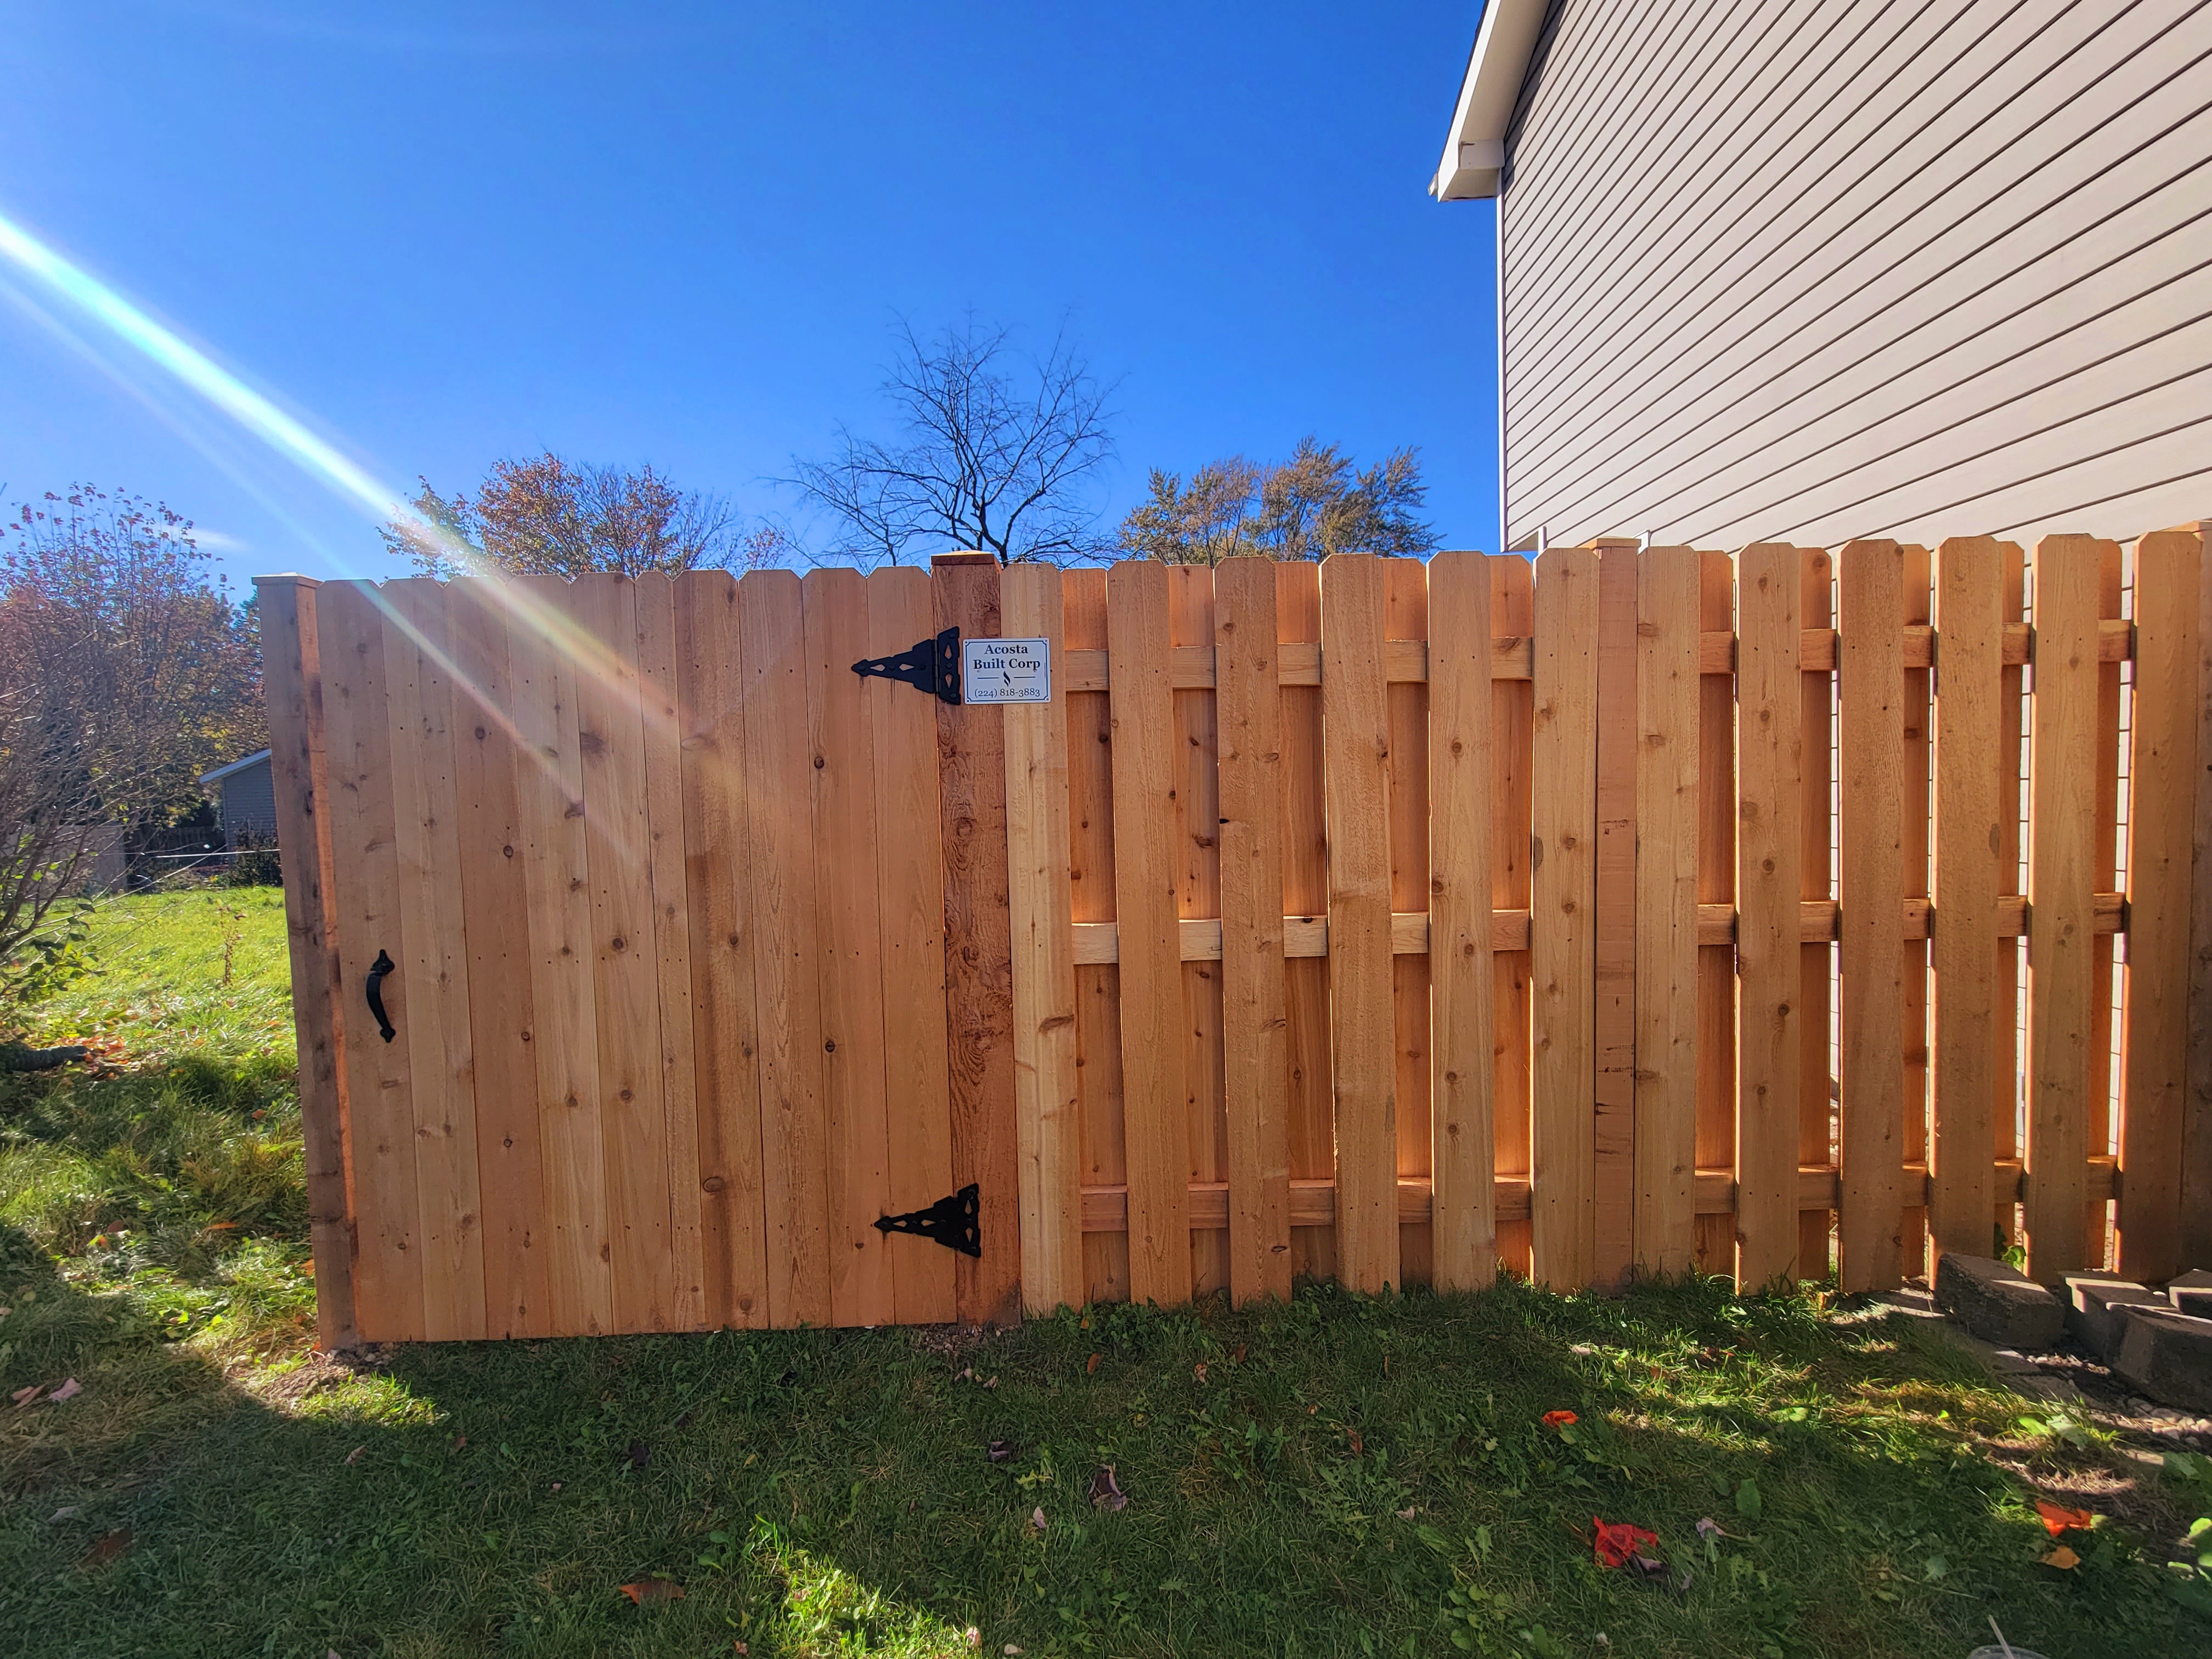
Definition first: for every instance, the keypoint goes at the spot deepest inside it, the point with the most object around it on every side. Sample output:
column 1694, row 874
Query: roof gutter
column 1474, row 149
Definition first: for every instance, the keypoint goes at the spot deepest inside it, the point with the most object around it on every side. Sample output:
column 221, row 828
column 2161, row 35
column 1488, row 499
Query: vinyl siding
column 1809, row 269
column 249, row 807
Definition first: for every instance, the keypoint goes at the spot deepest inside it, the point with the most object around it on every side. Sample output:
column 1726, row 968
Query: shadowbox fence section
column 1623, row 909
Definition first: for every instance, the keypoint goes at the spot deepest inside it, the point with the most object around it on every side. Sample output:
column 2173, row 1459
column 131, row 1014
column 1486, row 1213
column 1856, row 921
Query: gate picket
column 626, row 989
column 786, row 959
column 381, row 1120
column 850, row 922
column 911, row 876
column 725, row 1034
column 657, row 647
column 495, row 911
column 441, row 1059
column 978, row 954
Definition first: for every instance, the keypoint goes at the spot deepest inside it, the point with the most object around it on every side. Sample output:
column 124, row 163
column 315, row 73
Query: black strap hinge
column 954, row 1222
column 931, row 665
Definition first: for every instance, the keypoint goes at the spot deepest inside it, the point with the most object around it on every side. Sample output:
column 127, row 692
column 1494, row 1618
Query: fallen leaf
column 1560, row 1419
column 992, row 1384
column 1199, row 1370
column 975, row 1637
column 1000, row 1451
column 557, row 1486
column 1617, row 1540
column 105, row 1547
column 24, row 1397
column 1036, row 1517
column 1092, row 1364
column 222, row 1226
column 639, row 1454
column 69, row 1390
column 67, row 1512
column 2056, row 1517
column 1406, row 1514
column 652, row 1589
column 1237, row 1358
column 1648, row 1566
column 739, row 1647
column 1710, row 1530
column 1011, row 1651
column 1359, row 1446
column 2062, row 1558
column 1105, row 1493
column 354, row 1456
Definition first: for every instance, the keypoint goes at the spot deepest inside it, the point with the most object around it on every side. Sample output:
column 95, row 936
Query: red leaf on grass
column 2057, row 1518
column 1618, row 1540
column 105, row 1547
column 1560, row 1419
column 652, row 1589
column 1092, row 1364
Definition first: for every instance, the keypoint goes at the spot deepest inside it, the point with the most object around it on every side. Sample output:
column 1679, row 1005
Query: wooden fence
column 1622, row 910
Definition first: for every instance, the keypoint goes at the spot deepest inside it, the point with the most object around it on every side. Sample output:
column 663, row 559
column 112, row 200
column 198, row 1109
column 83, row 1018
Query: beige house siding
column 1807, row 269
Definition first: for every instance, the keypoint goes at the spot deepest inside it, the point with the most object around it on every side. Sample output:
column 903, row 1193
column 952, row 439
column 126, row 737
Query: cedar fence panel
column 1380, row 921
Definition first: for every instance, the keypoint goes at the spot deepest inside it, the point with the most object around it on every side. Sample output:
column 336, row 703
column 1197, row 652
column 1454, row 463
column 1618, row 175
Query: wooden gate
column 639, row 909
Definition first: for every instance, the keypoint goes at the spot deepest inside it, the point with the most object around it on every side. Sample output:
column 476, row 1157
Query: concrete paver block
column 1996, row 1302
column 2165, row 1354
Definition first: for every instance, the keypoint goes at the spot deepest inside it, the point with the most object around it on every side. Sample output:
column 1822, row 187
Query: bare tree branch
column 985, row 464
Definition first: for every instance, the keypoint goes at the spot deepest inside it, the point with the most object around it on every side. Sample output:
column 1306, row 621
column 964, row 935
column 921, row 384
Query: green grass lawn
column 1340, row 1475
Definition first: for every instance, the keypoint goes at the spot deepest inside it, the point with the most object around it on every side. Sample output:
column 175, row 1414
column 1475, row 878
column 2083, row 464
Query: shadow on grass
column 1344, row 1475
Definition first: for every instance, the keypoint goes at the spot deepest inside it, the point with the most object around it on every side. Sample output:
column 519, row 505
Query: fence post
column 292, row 682
column 2196, row 1097
column 2162, row 781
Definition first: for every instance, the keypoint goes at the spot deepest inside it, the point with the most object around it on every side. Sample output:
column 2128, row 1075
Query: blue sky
column 441, row 234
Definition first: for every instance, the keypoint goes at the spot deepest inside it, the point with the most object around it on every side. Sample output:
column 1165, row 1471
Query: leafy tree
column 551, row 517
column 125, row 673
column 1309, row 507
column 996, row 455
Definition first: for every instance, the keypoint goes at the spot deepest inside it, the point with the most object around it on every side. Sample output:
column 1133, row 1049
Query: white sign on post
column 1006, row 670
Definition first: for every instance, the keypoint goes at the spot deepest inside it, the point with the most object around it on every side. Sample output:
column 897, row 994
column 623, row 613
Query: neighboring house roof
column 1475, row 148
column 222, row 772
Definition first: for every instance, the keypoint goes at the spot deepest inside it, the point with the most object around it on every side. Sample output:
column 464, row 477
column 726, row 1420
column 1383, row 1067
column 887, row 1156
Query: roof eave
column 1474, row 149
column 238, row 765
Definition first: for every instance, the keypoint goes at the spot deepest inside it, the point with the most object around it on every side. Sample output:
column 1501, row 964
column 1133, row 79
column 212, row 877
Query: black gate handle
column 377, row 969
